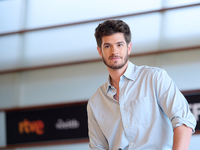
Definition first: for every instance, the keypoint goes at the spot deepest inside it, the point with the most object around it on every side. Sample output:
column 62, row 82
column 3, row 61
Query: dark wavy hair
column 110, row 27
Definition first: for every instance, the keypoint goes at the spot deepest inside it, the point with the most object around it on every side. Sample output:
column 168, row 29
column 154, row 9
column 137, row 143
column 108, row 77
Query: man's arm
column 182, row 136
column 176, row 108
column 97, row 140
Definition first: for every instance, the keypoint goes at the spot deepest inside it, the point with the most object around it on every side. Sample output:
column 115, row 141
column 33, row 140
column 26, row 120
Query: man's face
column 114, row 51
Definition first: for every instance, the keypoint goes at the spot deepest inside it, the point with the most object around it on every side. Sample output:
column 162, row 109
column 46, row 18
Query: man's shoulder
column 99, row 92
column 144, row 69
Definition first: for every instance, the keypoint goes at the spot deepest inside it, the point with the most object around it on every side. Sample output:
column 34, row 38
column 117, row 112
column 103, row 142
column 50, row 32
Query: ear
column 99, row 50
column 129, row 47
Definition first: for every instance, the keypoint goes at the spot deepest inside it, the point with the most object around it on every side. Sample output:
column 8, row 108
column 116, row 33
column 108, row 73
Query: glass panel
column 52, row 12
column 2, row 129
column 9, row 51
column 145, row 32
column 8, row 91
column 173, row 3
column 181, row 28
column 60, row 85
column 9, row 15
column 65, row 44
column 77, row 146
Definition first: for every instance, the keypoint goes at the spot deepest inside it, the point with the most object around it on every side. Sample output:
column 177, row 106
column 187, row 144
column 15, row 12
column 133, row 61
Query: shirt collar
column 130, row 71
column 129, row 74
column 108, row 85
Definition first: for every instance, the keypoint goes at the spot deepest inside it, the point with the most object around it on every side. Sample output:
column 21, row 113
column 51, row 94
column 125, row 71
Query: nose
column 114, row 50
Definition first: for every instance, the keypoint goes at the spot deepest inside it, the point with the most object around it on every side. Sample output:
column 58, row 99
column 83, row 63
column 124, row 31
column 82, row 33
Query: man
column 139, row 107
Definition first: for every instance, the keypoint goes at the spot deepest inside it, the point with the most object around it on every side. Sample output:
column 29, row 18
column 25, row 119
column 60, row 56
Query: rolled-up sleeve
column 97, row 140
column 172, row 101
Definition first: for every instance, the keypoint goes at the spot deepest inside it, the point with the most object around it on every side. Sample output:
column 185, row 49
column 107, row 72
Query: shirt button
column 131, row 143
column 126, row 126
column 123, row 107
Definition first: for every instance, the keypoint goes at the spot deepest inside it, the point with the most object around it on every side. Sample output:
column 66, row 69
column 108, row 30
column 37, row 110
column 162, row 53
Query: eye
column 106, row 46
column 120, row 45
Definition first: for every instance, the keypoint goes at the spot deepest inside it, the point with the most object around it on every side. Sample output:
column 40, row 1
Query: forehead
column 114, row 38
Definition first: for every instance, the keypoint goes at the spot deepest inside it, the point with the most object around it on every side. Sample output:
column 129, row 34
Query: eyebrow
column 120, row 42
column 116, row 43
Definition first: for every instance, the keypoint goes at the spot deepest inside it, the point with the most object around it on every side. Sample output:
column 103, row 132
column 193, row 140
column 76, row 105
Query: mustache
column 115, row 56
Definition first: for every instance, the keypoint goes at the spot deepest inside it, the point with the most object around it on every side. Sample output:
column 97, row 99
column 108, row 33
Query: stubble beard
column 117, row 66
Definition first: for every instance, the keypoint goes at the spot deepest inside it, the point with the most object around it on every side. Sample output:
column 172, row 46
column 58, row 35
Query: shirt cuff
column 177, row 121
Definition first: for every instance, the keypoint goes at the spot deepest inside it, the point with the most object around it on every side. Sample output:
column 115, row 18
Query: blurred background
column 48, row 51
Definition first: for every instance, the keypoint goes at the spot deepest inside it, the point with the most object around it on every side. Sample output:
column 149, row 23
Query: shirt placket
column 125, row 115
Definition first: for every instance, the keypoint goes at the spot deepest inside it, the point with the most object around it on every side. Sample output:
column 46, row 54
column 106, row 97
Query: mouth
column 114, row 57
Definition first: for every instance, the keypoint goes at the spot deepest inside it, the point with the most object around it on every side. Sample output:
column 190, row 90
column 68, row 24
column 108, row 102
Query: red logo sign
column 27, row 127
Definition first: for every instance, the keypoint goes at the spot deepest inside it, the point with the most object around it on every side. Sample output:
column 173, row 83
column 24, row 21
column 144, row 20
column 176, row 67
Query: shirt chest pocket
column 143, row 110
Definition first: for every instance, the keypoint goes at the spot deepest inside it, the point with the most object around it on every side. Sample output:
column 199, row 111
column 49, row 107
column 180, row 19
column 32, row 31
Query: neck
column 115, row 75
